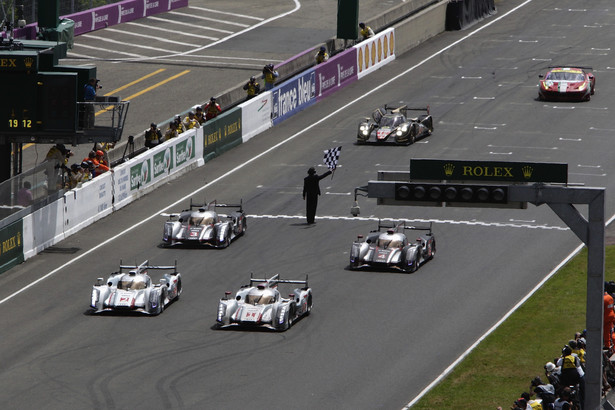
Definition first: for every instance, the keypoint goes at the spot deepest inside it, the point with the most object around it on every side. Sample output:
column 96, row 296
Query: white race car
column 131, row 290
column 260, row 304
column 203, row 225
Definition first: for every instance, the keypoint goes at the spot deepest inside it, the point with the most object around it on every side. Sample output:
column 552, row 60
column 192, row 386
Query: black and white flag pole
column 331, row 158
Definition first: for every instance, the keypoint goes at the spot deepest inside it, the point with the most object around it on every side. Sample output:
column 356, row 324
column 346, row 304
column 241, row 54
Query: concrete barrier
column 427, row 23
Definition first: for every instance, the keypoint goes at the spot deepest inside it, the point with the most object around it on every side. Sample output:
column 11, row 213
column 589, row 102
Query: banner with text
column 293, row 95
column 336, row 73
column 11, row 245
column 222, row 133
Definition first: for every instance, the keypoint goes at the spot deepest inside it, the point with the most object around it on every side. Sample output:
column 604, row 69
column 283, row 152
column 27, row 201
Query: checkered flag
column 331, row 157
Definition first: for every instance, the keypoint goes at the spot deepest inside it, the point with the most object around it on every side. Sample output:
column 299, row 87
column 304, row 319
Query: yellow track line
column 148, row 89
column 135, row 82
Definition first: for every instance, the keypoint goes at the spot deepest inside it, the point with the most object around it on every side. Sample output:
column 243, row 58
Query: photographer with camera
column 89, row 96
column 57, row 158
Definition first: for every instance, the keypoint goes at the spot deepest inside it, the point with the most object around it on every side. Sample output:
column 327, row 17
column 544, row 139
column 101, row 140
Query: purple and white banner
column 121, row 12
column 336, row 73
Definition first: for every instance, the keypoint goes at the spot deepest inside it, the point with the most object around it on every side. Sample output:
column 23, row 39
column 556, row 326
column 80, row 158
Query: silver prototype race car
column 393, row 126
column 260, row 304
column 392, row 249
column 203, row 225
column 131, row 290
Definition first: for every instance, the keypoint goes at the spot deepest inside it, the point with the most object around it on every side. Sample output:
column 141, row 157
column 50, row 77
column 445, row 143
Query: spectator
column 545, row 392
column 569, row 364
column 553, row 373
column 57, row 158
column 153, row 136
column 88, row 170
column 179, row 124
column 577, row 352
column 366, row 31
column 252, row 88
column 190, row 121
column 171, row 131
column 212, row 109
column 609, row 319
column 269, row 75
column 104, row 147
column 76, row 176
column 100, row 161
column 24, row 195
column 198, row 114
column 531, row 404
column 322, row 55
column 563, row 402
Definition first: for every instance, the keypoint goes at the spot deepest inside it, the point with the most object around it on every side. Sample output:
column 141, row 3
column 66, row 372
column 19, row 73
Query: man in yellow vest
column 252, row 88
column 366, row 31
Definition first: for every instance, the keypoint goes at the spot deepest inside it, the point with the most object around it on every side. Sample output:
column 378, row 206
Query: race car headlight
column 404, row 128
column 281, row 314
column 95, row 295
column 221, row 311
column 399, row 132
column 583, row 86
column 363, row 127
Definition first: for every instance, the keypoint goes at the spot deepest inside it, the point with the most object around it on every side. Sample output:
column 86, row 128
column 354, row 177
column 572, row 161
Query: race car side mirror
column 540, row 76
column 99, row 281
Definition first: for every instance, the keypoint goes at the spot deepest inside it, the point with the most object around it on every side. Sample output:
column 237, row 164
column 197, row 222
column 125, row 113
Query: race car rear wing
column 403, row 108
column 275, row 279
column 401, row 225
column 142, row 268
column 205, row 206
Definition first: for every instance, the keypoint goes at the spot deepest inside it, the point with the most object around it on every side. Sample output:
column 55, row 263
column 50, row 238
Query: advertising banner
column 375, row 52
column 131, row 10
column 163, row 161
column 222, row 133
column 11, row 245
column 121, row 12
column 256, row 115
column 293, row 95
column 336, row 73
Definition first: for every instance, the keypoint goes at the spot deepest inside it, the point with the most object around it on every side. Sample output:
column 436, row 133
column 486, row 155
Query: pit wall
column 80, row 207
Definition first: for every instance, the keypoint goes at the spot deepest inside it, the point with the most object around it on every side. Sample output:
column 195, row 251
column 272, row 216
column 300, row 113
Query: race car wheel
column 179, row 289
column 431, row 249
column 309, row 306
column 161, row 304
column 415, row 265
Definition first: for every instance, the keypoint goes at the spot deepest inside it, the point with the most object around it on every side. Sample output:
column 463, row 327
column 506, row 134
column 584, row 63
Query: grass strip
column 502, row 366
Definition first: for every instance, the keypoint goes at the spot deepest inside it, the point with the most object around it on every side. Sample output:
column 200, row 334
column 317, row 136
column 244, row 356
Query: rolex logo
column 28, row 62
column 527, row 171
column 448, row 169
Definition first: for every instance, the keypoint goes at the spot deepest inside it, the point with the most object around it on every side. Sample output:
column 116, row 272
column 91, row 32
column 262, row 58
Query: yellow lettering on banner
column 503, row 172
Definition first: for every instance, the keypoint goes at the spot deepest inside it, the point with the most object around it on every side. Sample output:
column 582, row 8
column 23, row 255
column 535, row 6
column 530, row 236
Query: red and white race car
column 566, row 83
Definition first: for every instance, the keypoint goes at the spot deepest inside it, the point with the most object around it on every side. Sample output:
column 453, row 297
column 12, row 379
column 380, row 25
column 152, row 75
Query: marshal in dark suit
column 311, row 190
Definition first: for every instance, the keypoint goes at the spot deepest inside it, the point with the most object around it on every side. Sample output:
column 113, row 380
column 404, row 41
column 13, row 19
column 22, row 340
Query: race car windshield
column 391, row 121
column 565, row 76
column 389, row 243
column 131, row 282
column 260, row 297
column 201, row 220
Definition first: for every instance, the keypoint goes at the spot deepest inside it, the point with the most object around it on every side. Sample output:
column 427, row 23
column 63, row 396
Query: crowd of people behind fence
column 563, row 385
